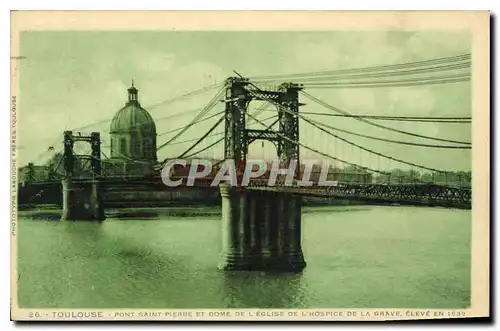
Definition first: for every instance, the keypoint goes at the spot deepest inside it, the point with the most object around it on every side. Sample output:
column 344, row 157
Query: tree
column 55, row 165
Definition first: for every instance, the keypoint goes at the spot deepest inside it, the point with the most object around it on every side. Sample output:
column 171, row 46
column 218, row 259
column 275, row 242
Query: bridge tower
column 289, row 122
column 261, row 230
column 237, row 100
column 238, row 137
column 81, row 197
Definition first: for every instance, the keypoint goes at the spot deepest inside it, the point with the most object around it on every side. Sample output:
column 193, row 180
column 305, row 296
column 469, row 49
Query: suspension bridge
column 261, row 222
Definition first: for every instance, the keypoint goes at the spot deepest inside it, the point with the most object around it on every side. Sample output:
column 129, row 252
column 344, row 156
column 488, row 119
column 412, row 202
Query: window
column 146, row 149
column 123, row 147
column 136, row 146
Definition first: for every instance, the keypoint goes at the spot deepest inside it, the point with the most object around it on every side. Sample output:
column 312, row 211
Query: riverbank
column 54, row 212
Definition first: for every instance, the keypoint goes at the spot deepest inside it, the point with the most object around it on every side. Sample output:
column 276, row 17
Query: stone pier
column 82, row 201
column 261, row 230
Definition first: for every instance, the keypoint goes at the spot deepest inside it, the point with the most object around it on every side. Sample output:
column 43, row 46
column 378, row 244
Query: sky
column 72, row 79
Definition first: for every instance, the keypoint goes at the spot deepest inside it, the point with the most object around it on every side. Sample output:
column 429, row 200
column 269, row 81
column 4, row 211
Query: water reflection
column 263, row 290
column 84, row 237
column 377, row 259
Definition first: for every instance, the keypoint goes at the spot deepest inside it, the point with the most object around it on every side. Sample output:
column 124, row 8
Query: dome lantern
column 133, row 94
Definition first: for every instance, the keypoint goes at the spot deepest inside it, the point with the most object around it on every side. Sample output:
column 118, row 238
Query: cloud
column 440, row 44
column 359, row 101
column 410, row 101
column 155, row 63
column 82, row 83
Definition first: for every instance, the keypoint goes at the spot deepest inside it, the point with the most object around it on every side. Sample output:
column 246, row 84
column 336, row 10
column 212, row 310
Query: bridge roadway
column 404, row 194
column 419, row 194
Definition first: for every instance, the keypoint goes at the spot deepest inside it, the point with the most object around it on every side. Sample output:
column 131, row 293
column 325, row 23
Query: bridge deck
column 419, row 194
column 415, row 194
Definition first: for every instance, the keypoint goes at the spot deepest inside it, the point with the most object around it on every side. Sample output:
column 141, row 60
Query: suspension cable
column 112, row 163
column 202, row 113
column 399, row 118
column 213, row 135
column 456, row 58
column 162, row 103
column 58, row 164
column 381, row 84
column 387, row 140
column 221, row 139
column 204, row 148
column 45, row 151
column 376, row 77
column 192, row 93
column 369, row 150
column 390, row 140
column 380, row 81
column 202, row 137
column 184, row 113
column 182, row 127
column 363, row 148
column 169, row 101
column 324, row 104
column 195, row 139
column 321, row 153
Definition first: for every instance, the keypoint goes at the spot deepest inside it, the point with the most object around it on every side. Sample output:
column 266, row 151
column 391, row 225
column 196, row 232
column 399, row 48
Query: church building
column 133, row 139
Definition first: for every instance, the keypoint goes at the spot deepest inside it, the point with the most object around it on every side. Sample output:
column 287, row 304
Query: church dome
column 132, row 117
column 133, row 133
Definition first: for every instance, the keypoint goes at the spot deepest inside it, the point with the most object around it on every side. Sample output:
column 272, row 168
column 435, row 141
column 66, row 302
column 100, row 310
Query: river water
column 362, row 256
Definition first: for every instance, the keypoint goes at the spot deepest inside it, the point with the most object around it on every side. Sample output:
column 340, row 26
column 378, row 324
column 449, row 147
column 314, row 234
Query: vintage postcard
column 251, row 166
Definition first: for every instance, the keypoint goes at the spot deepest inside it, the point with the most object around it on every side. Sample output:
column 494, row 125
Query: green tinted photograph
column 244, row 169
